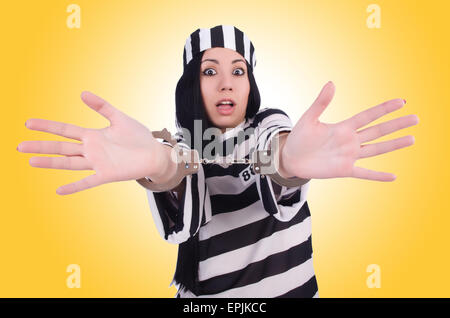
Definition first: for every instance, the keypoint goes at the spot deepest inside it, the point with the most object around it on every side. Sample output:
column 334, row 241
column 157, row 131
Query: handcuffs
column 189, row 163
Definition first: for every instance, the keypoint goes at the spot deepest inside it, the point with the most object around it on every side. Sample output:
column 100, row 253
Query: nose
column 226, row 83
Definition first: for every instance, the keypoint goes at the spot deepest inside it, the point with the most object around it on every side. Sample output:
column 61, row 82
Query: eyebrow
column 217, row 62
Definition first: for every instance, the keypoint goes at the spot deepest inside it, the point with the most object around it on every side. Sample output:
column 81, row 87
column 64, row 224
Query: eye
column 242, row 71
column 211, row 71
column 206, row 71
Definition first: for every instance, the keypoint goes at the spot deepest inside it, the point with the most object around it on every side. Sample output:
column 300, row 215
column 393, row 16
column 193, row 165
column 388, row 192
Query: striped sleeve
column 285, row 203
column 179, row 219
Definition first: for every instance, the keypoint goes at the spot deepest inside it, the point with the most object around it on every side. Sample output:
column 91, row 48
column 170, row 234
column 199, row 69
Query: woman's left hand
column 318, row 150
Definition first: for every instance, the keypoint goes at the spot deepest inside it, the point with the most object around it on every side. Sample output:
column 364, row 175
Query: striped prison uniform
column 252, row 236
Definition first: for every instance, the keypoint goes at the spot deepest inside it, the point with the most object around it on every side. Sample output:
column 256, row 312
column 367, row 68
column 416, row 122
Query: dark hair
column 190, row 106
column 189, row 101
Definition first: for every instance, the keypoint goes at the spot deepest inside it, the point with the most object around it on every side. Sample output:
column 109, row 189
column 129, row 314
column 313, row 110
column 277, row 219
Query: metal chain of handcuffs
column 190, row 162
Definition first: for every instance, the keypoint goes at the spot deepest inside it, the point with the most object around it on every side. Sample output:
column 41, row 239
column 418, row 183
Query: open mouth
column 228, row 104
column 225, row 108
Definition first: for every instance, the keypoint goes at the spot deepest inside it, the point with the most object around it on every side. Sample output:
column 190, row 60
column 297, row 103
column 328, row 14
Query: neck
column 223, row 130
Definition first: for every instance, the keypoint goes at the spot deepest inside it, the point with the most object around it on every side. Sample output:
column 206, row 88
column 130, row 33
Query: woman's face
column 223, row 75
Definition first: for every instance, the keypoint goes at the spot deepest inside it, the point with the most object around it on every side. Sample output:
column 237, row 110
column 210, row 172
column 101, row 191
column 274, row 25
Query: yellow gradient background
column 130, row 53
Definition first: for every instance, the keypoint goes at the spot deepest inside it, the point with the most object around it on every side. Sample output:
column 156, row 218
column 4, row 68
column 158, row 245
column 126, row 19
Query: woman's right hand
column 125, row 150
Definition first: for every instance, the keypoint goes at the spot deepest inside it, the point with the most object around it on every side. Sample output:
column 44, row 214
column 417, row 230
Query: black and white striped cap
column 226, row 36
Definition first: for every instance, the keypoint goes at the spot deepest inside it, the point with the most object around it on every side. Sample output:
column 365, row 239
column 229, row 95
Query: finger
column 51, row 147
column 89, row 182
column 99, row 105
column 388, row 127
column 365, row 117
column 363, row 173
column 385, row 146
column 67, row 163
column 55, row 127
column 325, row 96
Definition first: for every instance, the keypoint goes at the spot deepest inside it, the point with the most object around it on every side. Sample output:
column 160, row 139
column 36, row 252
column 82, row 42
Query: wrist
column 283, row 160
column 163, row 168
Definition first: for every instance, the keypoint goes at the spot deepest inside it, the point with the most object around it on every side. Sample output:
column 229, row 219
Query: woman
column 239, row 233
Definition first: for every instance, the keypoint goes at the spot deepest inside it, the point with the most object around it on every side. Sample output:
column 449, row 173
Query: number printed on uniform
column 247, row 175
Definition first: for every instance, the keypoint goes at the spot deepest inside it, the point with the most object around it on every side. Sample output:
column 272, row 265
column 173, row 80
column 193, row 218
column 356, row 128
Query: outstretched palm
column 125, row 150
column 318, row 150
